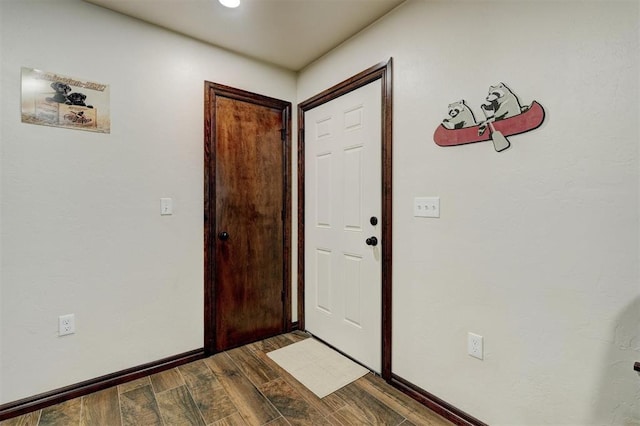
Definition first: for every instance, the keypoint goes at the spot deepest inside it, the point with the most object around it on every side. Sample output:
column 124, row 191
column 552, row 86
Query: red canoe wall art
column 503, row 117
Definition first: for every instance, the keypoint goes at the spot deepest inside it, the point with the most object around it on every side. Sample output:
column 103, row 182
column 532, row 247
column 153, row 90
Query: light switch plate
column 166, row 206
column 426, row 206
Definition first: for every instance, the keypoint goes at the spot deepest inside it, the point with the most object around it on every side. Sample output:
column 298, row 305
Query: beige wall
column 80, row 225
column 537, row 247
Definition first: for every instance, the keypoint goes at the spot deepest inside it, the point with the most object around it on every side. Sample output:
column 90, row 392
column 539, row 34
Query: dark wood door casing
column 255, row 210
column 382, row 71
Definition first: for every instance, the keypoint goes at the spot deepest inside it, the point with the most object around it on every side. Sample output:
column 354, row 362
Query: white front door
column 343, row 207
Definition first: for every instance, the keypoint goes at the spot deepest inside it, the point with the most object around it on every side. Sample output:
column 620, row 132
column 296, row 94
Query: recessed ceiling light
column 230, row 3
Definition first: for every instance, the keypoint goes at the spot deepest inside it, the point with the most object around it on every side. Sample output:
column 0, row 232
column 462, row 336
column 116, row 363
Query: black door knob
column 224, row 235
column 373, row 220
column 373, row 241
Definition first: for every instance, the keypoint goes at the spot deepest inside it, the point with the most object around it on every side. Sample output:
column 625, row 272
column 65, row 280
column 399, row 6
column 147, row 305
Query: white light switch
column 166, row 206
column 426, row 206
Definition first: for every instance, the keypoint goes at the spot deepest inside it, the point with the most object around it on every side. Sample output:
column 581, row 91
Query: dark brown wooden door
column 248, row 198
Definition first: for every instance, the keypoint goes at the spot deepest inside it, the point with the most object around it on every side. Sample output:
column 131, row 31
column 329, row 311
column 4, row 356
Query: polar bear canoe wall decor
column 504, row 116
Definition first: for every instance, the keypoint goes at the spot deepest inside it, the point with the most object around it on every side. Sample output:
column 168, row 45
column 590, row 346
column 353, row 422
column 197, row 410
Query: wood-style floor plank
column 369, row 407
column 252, row 366
column 134, row 384
column 333, row 421
column 394, row 398
column 277, row 342
column 251, row 404
column 66, row 413
column 280, row 421
column 177, row 407
column 166, row 380
column 233, row 420
column 294, row 408
column 208, row 394
column 29, row 419
column 139, row 407
column 298, row 335
column 347, row 416
column 101, row 408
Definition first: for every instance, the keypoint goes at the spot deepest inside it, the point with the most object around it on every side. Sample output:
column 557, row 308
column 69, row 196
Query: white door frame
column 382, row 71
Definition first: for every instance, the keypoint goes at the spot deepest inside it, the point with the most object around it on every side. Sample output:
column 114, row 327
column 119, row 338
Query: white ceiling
column 288, row 33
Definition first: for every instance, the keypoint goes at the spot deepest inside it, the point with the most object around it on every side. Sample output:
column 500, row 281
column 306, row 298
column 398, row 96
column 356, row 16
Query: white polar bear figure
column 459, row 116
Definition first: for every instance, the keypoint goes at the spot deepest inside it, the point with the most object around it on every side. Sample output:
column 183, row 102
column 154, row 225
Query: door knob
column 224, row 235
column 373, row 220
column 373, row 241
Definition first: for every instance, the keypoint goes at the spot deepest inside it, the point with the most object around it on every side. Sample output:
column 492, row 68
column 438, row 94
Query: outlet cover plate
column 66, row 324
column 475, row 345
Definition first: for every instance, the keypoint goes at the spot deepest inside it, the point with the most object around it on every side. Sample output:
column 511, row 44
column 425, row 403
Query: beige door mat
column 321, row 369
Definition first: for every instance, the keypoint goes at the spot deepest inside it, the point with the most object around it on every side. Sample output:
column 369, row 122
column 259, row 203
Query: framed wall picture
column 51, row 99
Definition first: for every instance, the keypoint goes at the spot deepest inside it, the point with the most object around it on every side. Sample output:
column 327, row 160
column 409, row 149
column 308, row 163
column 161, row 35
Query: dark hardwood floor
column 241, row 386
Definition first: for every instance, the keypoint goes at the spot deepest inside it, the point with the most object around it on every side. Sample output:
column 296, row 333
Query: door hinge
column 282, row 295
column 283, row 134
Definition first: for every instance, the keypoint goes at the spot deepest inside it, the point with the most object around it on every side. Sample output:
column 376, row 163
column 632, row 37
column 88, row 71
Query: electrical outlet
column 66, row 324
column 475, row 346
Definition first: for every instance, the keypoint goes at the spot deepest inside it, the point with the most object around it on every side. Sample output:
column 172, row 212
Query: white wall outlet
column 426, row 207
column 166, row 206
column 66, row 324
column 475, row 346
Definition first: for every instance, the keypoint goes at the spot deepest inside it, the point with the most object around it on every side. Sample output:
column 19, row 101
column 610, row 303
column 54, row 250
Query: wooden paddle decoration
column 500, row 142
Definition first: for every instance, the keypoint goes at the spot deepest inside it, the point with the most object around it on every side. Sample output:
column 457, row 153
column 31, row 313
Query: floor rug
column 321, row 369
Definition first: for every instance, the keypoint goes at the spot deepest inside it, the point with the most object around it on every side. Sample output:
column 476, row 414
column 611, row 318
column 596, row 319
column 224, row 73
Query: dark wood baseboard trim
column 37, row 402
column 434, row 403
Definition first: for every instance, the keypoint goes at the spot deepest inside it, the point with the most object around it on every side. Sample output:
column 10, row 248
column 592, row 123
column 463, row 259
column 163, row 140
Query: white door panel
column 342, row 192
